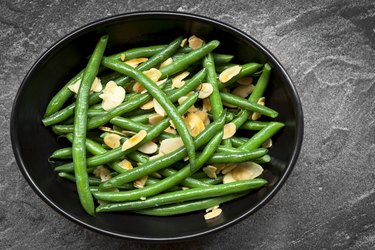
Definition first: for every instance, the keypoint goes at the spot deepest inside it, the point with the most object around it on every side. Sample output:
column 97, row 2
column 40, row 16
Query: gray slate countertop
column 327, row 47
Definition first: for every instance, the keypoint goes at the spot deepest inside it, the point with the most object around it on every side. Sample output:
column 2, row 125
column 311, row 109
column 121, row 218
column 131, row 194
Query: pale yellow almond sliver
column 205, row 90
column 103, row 173
column 210, row 171
column 206, row 105
column 243, row 90
column 122, row 57
column 112, row 95
column 245, row 80
column 148, row 148
column 183, row 42
column 136, row 61
column 166, row 62
column 112, row 140
column 134, row 140
column 158, row 108
column 229, row 130
column 125, row 164
column 229, row 73
column 246, row 171
column 194, row 124
column 148, row 105
column 140, row 182
column 195, row 42
column 155, row 118
column 177, row 80
column 228, row 178
column 267, row 143
column 153, row 73
column 212, row 214
column 169, row 145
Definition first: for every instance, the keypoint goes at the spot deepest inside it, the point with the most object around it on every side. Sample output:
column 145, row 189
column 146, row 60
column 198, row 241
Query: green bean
column 178, row 196
column 257, row 93
column 188, row 182
column 263, row 159
column 199, row 175
column 254, row 125
column 223, row 67
column 80, row 125
column 164, row 161
column 218, row 58
column 237, row 157
column 260, row 137
column 155, row 60
column 92, row 180
column 215, row 181
column 245, row 104
column 162, row 99
column 215, row 100
column 247, row 69
column 238, row 141
column 189, row 206
column 116, row 153
column 188, row 59
column 148, row 51
column 62, row 153
column 167, row 182
column 140, row 118
column 230, row 150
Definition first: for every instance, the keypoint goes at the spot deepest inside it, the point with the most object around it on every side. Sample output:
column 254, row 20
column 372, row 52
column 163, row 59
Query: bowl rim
column 190, row 16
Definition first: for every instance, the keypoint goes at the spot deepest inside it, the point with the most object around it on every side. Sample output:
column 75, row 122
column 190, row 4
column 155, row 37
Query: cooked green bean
column 62, row 153
column 80, row 125
column 254, row 125
column 263, row 159
column 247, row 69
column 237, row 157
column 188, row 182
column 215, row 100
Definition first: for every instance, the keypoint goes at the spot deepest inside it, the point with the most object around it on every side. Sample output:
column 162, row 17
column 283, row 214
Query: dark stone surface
column 328, row 48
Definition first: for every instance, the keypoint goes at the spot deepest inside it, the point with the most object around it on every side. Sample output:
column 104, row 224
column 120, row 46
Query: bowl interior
column 33, row 143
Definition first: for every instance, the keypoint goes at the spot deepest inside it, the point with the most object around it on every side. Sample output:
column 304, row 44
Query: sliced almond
column 112, row 95
column 228, row 178
column 212, row 214
column 108, row 129
column 210, row 171
column 134, row 140
column 212, row 208
column 169, row 145
column 228, row 168
column 153, row 74
column 158, row 108
column 195, row 42
column 243, row 91
column 154, row 157
column 255, row 116
column 143, row 198
column 172, row 124
column 148, row 148
column 125, row 164
column 112, row 140
column 103, row 173
column 183, row 42
column 140, row 182
column 177, row 81
column 148, row 105
column 128, row 133
column 245, row 80
column 205, row 90
column 122, row 57
column 202, row 115
column 75, row 86
column 220, row 167
column 136, row 61
column 96, row 85
column 194, row 124
column 138, row 88
column 229, row 130
column 166, row 62
column 267, row 143
column 155, row 118
column 246, row 171
column 170, row 130
column 229, row 73
column 206, row 105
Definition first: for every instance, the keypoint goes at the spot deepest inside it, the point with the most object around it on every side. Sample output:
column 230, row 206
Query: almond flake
column 96, row 86
column 219, row 167
column 134, row 140
column 210, row 171
column 148, row 148
column 158, row 108
column 125, row 164
column 103, row 173
column 166, row 62
column 206, row 105
column 112, row 140
column 177, row 80
column 122, row 57
column 112, row 95
column 153, row 74
column 212, row 214
column 140, row 182
column 169, row 145
column 229, row 130
column 267, row 143
column 195, row 42
column 205, row 90
column 138, row 88
column 170, row 130
column 212, row 208
column 255, row 116
column 194, row 124
column 228, row 168
column 243, row 91
column 202, row 115
column 245, row 80
column 155, row 118
column 246, row 171
column 136, row 61
column 183, row 42
column 148, row 105
column 154, row 157
column 228, row 178
column 143, row 198
column 229, row 73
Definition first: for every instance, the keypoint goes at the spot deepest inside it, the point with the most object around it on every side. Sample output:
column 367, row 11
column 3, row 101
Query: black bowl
column 33, row 143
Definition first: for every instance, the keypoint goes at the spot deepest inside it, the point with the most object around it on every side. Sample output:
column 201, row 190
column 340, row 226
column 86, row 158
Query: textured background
column 328, row 48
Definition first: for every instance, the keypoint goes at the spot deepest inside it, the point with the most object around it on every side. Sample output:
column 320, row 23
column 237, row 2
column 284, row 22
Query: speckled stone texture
column 328, row 48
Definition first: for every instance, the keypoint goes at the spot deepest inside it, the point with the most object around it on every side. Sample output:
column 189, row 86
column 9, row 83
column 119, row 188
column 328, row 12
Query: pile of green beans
column 150, row 176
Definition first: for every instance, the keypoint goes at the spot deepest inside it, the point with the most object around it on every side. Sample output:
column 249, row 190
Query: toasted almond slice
column 212, row 208
column 96, row 85
column 143, row 198
column 228, row 168
column 138, row 88
column 195, row 42
column 170, row 130
column 177, row 80
column 112, row 140
column 206, row 105
column 172, row 124
column 186, row 158
column 267, row 143
column 220, row 167
column 103, row 173
column 229, row 130
column 205, row 90
column 128, row 133
column 125, row 164
column 75, row 86
column 210, row 171
column 140, row 182
column 245, row 80
column 243, row 91
column 158, row 108
column 212, row 214
column 148, row 105
column 184, row 97
column 134, row 140
column 194, row 123
column 170, row 145
column 154, row 157
column 155, row 118
column 202, row 115
column 153, row 74
column 166, row 62
column 255, row 116
column 183, row 42
column 228, row 178
column 122, row 57
column 185, row 188
column 246, row 171
column 112, row 95
column 229, row 73
column 136, row 61
column 148, row 148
